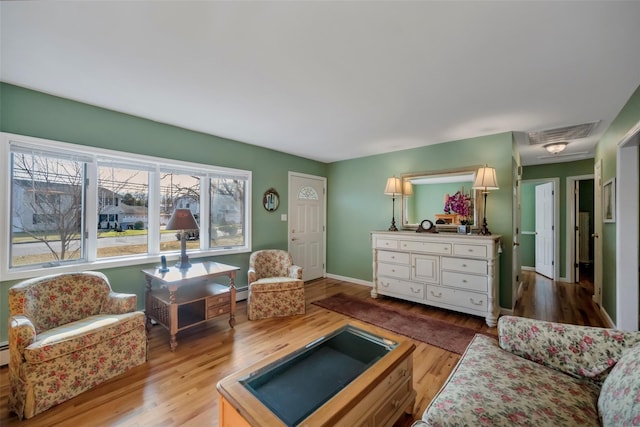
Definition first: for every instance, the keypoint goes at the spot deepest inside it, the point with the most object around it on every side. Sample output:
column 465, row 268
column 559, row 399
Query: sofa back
column 56, row 300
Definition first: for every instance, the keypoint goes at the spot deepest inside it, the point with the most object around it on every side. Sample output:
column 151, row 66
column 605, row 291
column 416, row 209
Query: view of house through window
column 47, row 204
column 76, row 204
column 123, row 204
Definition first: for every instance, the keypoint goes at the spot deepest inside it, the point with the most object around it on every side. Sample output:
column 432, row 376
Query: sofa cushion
column 490, row 386
column 580, row 351
column 80, row 334
column 619, row 402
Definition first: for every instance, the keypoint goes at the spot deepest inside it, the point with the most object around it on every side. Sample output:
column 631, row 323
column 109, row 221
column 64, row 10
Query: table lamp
column 182, row 219
column 393, row 189
column 485, row 181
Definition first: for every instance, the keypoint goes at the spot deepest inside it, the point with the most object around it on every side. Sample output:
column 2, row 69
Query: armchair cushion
column 580, row 351
column 77, row 335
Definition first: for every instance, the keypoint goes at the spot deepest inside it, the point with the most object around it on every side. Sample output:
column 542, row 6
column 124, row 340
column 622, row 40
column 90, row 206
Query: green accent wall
column 36, row 114
column 357, row 204
column 561, row 171
column 606, row 150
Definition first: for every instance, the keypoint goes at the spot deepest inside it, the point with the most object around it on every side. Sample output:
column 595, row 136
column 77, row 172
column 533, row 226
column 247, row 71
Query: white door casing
column 545, row 230
column 516, row 273
column 597, row 233
column 307, row 228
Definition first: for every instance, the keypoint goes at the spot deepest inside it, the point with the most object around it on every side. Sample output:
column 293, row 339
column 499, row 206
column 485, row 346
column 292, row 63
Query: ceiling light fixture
column 555, row 147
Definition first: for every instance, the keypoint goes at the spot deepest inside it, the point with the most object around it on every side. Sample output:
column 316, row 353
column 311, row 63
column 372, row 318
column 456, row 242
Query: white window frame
column 153, row 254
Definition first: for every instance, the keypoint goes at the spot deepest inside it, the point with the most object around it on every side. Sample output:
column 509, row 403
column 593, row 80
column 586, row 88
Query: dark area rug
column 413, row 325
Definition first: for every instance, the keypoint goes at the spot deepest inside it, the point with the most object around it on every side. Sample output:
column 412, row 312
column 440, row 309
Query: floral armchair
column 543, row 374
column 276, row 288
column 67, row 334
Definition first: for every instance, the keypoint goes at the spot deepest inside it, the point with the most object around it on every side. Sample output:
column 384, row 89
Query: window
column 71, row 205
column 47, row 195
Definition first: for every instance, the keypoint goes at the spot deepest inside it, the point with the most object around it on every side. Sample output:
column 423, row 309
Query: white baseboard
column 350, row 280
column 524, row 267
column 607, row 318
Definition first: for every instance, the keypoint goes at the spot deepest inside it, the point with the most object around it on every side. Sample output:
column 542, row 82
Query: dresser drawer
column 401, row 288
column 464, row 265
column 465, row 281
column 397, row 257
column 431, row 247
column 457, row 297
column 394, row 270
column 387, row 243
column 470, row 250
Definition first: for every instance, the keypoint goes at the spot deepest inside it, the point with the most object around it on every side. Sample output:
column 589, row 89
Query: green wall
column 606, row 151
column 357, row 204
column 561, row 171
column 528, row 224
column 31, row 113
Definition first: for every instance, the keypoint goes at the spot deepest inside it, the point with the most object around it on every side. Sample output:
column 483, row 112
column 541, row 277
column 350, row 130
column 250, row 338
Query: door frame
column 571, row 223
column 627, row 231
column 556, row 220
column 290, row 198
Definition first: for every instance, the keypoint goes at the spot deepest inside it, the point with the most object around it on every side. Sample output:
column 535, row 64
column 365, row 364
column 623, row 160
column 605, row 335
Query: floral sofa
column 276, row 288
column 67, row 334
column 542, row 374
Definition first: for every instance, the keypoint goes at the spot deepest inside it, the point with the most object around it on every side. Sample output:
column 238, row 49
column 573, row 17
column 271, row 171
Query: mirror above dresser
column 445, row 197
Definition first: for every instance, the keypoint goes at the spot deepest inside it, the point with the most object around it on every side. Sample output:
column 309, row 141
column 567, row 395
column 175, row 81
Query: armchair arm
column 119, row 303
column 22, row 332
column 580, row 351
column 252, row 276
column 295, row 271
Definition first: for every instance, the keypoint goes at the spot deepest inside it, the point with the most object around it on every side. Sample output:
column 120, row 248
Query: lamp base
column 484, row 230
column 393, row 226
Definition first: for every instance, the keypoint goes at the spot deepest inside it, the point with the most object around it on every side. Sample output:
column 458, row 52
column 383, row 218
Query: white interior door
column 597, row 233
column 307, row 212
column 544, row 230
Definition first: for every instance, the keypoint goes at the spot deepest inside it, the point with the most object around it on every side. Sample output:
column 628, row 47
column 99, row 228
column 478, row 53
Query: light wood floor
column 180, row 388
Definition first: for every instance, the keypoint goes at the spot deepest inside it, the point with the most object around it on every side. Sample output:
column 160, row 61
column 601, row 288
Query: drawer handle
column 437, row 296
column 386, row 285
column 396, row 404
column 464, row 280
column 415, row 291
column 393, row 270
column 464, row 265
column 475, row 303
column 470, row 250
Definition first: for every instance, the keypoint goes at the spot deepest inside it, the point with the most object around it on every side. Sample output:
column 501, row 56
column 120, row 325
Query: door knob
column 516, row 244
column 595, row 235
column 293, row 239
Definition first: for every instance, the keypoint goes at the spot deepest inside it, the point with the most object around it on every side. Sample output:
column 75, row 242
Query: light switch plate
column 283, row 217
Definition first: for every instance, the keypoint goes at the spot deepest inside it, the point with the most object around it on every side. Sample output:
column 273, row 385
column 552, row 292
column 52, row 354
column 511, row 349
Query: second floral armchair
column 276, row 288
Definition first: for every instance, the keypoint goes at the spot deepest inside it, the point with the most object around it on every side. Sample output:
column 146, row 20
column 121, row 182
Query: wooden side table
column 188, row 297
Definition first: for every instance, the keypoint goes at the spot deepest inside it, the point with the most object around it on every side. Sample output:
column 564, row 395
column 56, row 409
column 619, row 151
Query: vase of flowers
column 460, row 204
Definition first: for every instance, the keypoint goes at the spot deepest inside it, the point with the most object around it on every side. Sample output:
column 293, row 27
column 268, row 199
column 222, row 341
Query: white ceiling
column 332, row 80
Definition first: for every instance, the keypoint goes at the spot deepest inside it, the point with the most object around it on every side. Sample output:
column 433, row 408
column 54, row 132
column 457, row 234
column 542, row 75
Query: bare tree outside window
column 47, row 201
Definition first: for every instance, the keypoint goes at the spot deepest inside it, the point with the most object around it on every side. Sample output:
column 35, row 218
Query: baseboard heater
column 4, row 353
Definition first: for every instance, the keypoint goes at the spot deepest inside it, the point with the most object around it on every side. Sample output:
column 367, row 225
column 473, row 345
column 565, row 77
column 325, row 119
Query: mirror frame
column 271, row 200
column 477, row 198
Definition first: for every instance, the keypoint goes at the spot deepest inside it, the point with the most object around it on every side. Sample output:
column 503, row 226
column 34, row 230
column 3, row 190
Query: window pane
column 47, row 199
column 227, row 212
column 178, row 191
column 123, row 195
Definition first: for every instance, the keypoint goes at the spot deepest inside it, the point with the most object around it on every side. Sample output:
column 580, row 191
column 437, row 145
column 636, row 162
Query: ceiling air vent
column 566, row 133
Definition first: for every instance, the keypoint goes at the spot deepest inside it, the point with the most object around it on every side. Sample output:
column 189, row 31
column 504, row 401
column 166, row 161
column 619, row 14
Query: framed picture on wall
column 609, row 201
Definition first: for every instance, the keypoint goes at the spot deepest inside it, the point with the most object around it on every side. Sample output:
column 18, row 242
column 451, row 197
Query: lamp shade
column 182, row 219
column 486, row 179
column 394, row 186
column 407, row 189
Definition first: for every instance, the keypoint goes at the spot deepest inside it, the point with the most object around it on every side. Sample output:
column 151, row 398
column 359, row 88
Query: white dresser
column 446, row 270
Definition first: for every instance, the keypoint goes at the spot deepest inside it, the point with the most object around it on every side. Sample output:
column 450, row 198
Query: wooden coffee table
column 351, row 376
